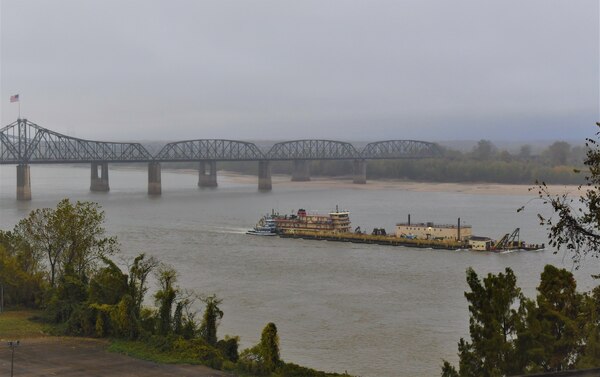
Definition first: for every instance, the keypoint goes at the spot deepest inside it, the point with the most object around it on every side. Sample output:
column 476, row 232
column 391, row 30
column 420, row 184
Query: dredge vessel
column 336, row 227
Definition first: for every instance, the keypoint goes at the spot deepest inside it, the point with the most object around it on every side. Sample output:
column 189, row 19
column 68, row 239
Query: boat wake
column 227, row 230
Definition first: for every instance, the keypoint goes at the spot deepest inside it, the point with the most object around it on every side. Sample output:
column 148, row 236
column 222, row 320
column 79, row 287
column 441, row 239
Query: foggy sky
column 344, row 70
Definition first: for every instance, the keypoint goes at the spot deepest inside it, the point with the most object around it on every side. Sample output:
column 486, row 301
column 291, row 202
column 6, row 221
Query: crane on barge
column 512, row 241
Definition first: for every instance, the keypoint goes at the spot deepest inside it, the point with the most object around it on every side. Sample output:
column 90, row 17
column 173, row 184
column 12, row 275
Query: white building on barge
column 431, row 231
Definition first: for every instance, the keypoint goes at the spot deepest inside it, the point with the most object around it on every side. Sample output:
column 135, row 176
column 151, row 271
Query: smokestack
column 409, row 219
column 459, row 228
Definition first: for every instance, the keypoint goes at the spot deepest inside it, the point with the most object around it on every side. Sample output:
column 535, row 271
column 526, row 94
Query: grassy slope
column 141, row 350
column 18, row 324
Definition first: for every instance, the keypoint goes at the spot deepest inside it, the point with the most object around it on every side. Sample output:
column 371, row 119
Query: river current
column 370, row 310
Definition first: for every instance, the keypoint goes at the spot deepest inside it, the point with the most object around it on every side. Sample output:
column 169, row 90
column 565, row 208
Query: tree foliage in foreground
column 70, row 237
column 511, row 334
column 575, row 224
column 210, row 320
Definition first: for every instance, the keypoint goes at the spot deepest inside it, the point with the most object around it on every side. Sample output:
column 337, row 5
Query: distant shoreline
column 345, row 182
column 480, row 188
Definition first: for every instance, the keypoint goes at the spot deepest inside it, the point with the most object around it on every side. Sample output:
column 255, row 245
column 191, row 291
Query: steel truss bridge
column 24, row 142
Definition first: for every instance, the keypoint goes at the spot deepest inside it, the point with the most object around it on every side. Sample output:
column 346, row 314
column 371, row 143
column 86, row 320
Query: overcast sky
column 344, row 70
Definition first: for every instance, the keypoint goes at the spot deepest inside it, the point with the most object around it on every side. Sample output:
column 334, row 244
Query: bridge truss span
column 23, row 143
column 313, row 150
column 401, row 149
column 210, row 150
column 26, row 142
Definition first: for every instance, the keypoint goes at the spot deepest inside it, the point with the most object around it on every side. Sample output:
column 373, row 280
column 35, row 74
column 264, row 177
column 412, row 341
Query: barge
column 389, row 240
column 336, row 227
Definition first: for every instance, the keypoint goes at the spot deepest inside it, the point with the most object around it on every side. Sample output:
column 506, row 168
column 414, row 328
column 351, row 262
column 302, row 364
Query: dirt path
column 56, row 356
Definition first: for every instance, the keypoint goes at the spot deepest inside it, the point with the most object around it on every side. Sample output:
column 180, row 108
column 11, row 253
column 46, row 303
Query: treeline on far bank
column 60, row 260
column 559, row 163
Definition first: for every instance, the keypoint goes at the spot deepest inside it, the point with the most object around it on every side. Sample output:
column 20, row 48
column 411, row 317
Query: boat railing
column 429, row 225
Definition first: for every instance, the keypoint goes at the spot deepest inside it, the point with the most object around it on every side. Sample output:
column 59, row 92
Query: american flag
column 14, row 98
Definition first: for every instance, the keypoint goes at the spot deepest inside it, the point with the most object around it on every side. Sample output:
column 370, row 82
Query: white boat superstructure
column 265, row 227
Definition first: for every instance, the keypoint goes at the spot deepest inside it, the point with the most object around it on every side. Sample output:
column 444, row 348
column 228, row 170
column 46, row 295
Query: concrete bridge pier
column 360, row 172
column 154, row 184
column 99, row 182
column 207, row 177
column 301, row 172
column 264, row 176
column 23, row 182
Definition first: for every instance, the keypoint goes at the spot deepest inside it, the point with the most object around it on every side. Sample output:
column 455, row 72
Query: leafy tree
column 558, row 153
column 124, row 319
column 138, row 276
column 210, row 320
column 505, row 156
column 525, row 152
column 29, row 260
column 165, row 297
column 557, row 332
column 590, row 357
column 577, row 225
column 20, row 287
column 81, row 227
column 40, row 231
column 108, row 285
column 229, row 347
column 263, row 358
column 559, row 305
column 68, row 297
column 484, row 150
column 184, row 317
column 178, row 318
column 493, row 324
column 448, row 370
column 269, row 347
column 70, row 235
column 577, row 155
column 549, row 337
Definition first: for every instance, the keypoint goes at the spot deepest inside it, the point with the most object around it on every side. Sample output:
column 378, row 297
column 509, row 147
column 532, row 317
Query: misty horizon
column 343, row 70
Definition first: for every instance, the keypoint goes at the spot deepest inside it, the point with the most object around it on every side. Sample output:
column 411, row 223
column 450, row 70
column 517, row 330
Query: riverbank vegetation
column 60, row 262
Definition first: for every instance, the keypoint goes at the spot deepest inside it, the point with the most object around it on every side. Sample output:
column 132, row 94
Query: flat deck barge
column 374, row 239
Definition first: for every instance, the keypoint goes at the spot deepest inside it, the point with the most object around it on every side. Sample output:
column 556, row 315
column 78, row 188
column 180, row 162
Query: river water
column 369, row 310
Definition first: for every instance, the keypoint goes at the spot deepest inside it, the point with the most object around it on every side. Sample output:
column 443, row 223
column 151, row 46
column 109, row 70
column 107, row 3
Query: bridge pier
column 264, row 175
column 99, row 182
column 360, row 172
column 154, row 184
column 301, row 172
column 207, row 177
column 23, row 182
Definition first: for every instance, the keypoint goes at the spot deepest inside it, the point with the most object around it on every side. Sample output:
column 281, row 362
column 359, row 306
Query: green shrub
column 229, row 347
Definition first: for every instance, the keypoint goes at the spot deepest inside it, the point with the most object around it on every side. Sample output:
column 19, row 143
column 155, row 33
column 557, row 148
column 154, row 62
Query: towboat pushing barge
column 273, row 224
column 336, row 227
